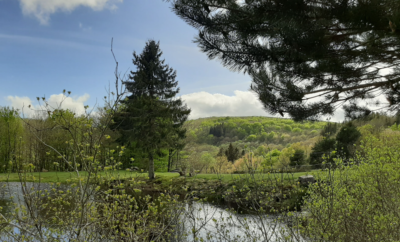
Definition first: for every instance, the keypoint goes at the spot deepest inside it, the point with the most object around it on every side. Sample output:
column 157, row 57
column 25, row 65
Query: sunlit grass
column 123, row 174
column 64, row 176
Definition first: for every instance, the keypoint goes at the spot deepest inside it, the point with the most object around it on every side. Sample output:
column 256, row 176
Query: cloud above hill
column 75, row 104
column 42, row 9
column 242, row 103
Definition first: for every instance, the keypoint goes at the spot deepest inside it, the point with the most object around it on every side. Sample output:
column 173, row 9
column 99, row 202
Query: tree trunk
column 169, row 159
column 151, row 167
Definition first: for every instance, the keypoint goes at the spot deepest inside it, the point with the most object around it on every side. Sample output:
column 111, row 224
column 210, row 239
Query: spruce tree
column 306, row 58
column 232, row 153
column 151, row 116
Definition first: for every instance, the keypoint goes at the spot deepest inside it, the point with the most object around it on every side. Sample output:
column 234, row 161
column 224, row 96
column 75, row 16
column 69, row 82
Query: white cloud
column 42, row 9
column 75, row 104
column 204, row 104
column 242, row 103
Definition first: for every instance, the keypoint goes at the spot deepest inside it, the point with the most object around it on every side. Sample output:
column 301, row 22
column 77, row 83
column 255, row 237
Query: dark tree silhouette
column 151, row 116
column 306, row 58
column 232, row 153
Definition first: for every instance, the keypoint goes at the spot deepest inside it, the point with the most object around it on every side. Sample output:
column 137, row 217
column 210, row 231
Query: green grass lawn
column 122, row 174
column 64, row 176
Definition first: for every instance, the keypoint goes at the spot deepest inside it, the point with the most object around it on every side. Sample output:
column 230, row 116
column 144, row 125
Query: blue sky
column 50, row 45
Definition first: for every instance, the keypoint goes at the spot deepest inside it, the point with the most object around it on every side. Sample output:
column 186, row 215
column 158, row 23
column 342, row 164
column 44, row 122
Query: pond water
column 200, row 220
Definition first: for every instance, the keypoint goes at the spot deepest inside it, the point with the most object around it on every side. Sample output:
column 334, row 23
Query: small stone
column 306, row 180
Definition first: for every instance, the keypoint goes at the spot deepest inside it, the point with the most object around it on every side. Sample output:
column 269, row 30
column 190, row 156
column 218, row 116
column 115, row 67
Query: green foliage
column 232, row 153
column 359, row 202
column 298, row 158
column 346, row 138
column 271, row 158
column 11, row 131
column 342, row 144
column 308, row 68
column 218, row 130
column 152, row 117
column 263, row 136
column 322, row 151
column 287, row 128
column 251, row 138
column 207, row 159
column 297, row 130
column 329, row 129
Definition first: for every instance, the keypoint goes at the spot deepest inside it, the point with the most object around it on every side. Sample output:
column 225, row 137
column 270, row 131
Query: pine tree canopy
column 306, row 57
column 151, row 116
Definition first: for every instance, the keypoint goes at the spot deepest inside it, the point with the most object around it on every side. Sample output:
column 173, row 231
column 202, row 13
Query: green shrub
column 359, row 202
column 287, row 128
column 297, row 130
column 277, row 127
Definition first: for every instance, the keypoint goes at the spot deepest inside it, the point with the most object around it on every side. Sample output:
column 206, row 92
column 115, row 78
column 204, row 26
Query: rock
column 306, row 180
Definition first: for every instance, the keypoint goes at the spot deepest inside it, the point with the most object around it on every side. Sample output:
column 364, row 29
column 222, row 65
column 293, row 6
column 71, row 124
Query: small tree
column 220, row 152
column 298, row 158
column 232, row 153
column 322, row 148
column 347, row 136
column 152, row 116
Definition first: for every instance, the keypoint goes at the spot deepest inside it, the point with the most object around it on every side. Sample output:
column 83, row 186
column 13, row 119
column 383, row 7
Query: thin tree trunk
column 177, row 160
column 169, row 159
column 151, row 166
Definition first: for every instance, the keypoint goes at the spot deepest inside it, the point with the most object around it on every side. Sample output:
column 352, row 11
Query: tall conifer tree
column 151, row 116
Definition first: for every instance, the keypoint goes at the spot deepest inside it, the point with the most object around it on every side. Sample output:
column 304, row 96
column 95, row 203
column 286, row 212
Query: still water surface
column 201, row 220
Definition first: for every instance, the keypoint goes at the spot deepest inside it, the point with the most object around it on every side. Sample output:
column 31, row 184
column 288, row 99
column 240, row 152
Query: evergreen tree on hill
column 151, row 116
column 232, row 153
column 346, row 138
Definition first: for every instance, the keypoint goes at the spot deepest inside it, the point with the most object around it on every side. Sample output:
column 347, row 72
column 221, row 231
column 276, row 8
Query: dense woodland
column 212, row 145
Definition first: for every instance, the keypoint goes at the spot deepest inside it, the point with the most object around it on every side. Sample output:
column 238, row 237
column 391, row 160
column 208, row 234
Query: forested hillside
column 241, row 139
column 212, row 145
column 220, row 131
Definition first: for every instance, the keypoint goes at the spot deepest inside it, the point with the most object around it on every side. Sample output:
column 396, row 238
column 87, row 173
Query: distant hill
column 251, row 131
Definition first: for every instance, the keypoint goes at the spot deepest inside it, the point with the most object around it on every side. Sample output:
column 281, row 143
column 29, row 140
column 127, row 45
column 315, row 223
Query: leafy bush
column 296, row 130
column 287, row 128
column 359, row 202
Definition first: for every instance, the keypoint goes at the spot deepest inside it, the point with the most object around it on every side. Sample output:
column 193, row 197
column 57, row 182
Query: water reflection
column 213, row 223
column 197, row 220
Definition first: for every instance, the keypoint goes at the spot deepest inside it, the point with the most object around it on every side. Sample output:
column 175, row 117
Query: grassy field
column 122, row 174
